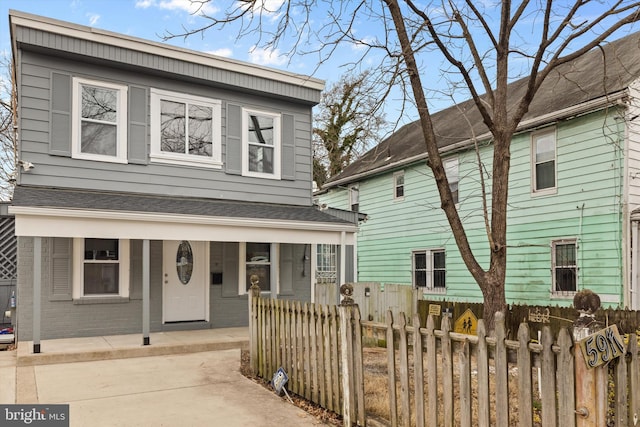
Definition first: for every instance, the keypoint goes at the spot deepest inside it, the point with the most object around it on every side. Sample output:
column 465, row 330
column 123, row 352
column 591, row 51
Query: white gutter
column 576, row 110
column 82, row 32
column 181, row 219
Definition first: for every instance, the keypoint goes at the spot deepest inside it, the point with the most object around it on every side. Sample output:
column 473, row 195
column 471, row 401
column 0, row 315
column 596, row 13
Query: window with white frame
column 101, row 268
column 354, row 197
column 99, row 130
column 451, row 169
column 261, row 144
column 256, row 263
column 326, row 264
column 429, row 270
column 543, row 154
column 564, row 255
column 185, row 129
column 398, row 185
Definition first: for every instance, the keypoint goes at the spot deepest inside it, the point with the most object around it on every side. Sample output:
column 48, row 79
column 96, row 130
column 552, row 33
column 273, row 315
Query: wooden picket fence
column 437, row 377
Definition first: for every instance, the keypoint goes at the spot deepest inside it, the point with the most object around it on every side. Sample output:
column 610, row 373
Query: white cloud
column 93, row 18
column 226, row 52
column 363, row 43
column 195, row 8
column 266, row 57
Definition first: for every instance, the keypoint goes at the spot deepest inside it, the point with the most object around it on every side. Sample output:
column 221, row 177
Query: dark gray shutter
column 135, row 269
column 138, row 114
column 286, row 269
column 60, row 144
column 233, row 161
column 61, row 286
column 288, row 147
column 230, row 269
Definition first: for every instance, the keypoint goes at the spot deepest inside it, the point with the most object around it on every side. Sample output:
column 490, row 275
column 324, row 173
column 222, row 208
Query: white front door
column 185, row 275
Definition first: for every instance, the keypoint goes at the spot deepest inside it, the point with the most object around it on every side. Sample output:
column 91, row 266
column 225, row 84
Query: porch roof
column 57, row 212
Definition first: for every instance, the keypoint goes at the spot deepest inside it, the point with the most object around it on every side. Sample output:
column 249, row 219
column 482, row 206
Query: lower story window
column 326, row 264
column 258, row 265
column 101, row 267
column 429, row 270
column 564, row 266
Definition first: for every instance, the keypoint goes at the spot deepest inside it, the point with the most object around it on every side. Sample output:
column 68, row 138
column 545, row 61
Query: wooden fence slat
column 299, row 350
column 328, row 366
column 525, row 404
column 391, row 368
column 548, row 380
column 566, row 381
column 464, row 356
column 634, row 381
column 502, row 373
column 418, row 372
column 320, row 333
column 482, row 366
column 335, row 361
column 345, row 357
column 313, row 321
column 432, row 373
column 447, row 373
column 287, row 338
column 307, row 353
column 621, row 393
column 359, row 369
column 403, row 358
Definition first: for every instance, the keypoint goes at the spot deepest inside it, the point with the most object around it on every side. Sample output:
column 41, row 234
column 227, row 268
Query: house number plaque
column 602, row 347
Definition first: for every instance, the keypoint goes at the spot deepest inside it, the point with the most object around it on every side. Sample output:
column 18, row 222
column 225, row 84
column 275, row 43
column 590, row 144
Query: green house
column 574, row 192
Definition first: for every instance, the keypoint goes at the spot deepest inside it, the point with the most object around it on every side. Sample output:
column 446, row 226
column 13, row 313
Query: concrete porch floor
column 67, row 350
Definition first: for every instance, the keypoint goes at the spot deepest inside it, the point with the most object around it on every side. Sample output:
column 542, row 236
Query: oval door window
column 184, row 262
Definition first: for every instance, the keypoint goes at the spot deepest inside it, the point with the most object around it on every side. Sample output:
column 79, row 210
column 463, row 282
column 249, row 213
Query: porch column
column 635, row 295
column 145, row 292
column 37, row 291
column 343, row 258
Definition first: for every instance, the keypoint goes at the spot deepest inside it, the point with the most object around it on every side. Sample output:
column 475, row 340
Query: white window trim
column 450, row 164
column 158, row 156
column 121, row 122
column 275, row 269
column 554, row 243
column 430, row 286
column 124, row 257
column 534, row 136
column 276, row 144
column 354, row 196
column 396, row 175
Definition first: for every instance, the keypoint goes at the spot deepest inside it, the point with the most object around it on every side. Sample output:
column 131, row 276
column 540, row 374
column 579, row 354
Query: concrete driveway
column 202, row 388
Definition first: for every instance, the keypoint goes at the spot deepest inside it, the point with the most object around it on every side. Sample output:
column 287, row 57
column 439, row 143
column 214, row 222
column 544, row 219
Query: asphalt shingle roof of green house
column 602, row 74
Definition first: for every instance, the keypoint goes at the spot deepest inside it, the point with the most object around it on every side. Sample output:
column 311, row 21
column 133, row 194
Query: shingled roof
column 602, row 74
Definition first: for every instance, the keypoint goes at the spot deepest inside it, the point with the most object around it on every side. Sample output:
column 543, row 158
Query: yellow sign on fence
column 467, row 323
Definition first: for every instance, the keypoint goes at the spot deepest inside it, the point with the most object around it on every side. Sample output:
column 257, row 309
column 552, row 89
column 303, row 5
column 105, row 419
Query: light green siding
column 586, row 206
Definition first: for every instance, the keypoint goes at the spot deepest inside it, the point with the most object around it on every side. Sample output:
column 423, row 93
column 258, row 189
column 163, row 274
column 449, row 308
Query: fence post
column 591, row 383
column 254, row 295
column 346, row 352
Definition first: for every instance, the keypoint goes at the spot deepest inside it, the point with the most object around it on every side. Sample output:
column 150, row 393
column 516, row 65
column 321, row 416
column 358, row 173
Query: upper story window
column 101, row 268
column 261, row 144
column 398, row 185
column 564, row 255
column 429, row 270
column 354, row 197
column 185, row 129
column 543, row 155
column 453, row 176
column 99, row 130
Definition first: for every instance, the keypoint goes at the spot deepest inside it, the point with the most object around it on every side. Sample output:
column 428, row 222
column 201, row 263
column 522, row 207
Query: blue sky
column 150, row 19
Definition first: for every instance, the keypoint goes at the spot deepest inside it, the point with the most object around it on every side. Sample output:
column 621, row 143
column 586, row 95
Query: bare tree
column 477, row 46
column 347, row 122
column 8, row 135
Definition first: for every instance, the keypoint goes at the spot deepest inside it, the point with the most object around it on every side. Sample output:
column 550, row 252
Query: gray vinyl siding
column 99, row 53
column 41, row 144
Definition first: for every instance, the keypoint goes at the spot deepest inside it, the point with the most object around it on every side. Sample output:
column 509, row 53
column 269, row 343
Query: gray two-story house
column 155, row 182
